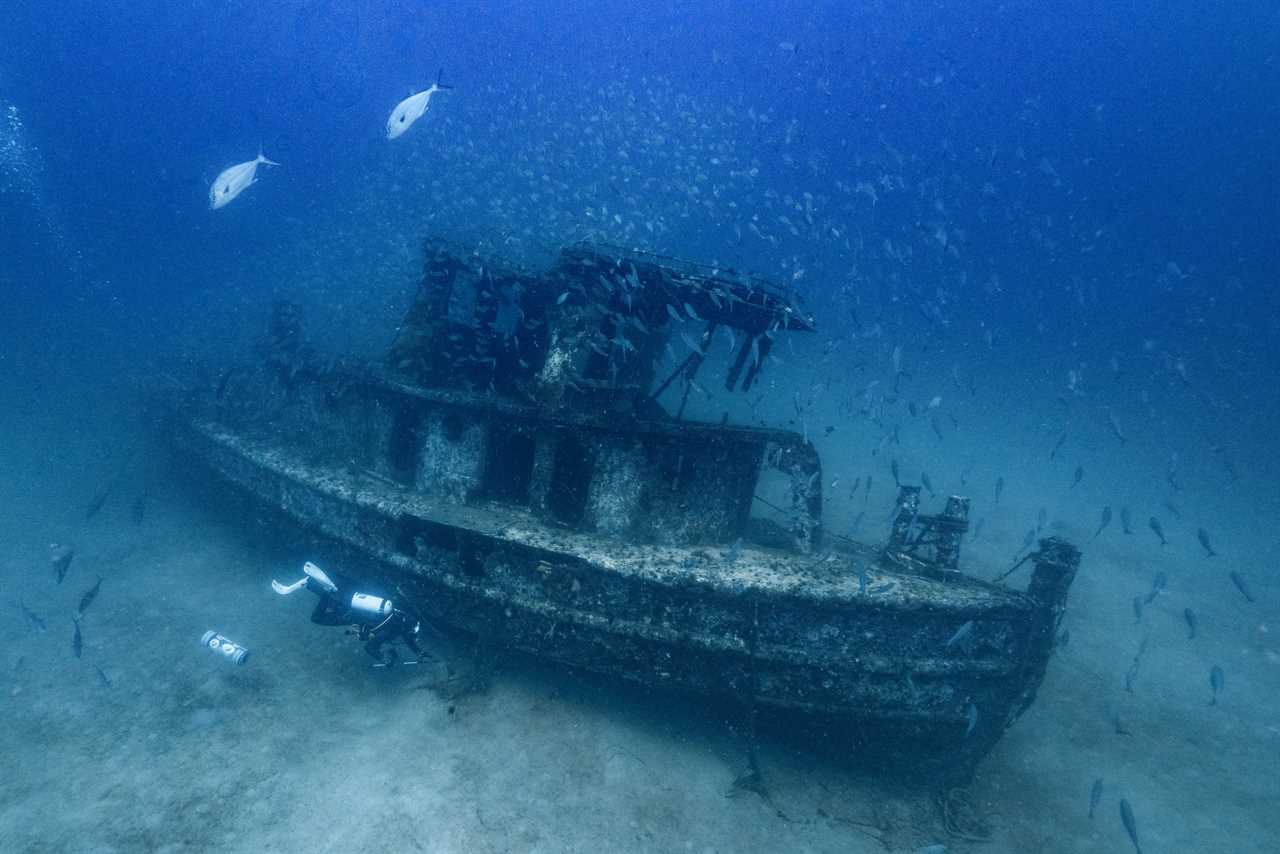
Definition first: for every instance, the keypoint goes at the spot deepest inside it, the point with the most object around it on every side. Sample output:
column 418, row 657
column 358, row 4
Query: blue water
column 1055, row 213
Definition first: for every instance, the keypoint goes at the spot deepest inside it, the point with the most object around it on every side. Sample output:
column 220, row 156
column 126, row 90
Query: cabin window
column 508, row 466
column 570, row 480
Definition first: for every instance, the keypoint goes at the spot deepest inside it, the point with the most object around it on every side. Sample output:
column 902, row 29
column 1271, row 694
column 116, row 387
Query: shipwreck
column 512, row 468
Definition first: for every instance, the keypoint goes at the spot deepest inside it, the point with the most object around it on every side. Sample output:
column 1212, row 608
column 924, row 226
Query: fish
column 961, row 634
column 1216, row 681
column 1115, row 427
column 977, row 529
column 937, row 431
column 1064, row 638
column 1058, row 445
column 867, row 494
column 87, row 599
column 1126, row 521
column 971, row 717
column 234, row 180
column 1154, row 524
column 77, row 642
column 1203, row 536
column 1042, row 516
column 1106, row 520
column 1157, row 584
column 735, row 549
column 223, row 382
column 1173, row 508
column 1095, row 796
column 60, row 558
column 999, row 488
column 1238, row 580
column 411, row 109
column 34, row 620
column 99, row 498
column 102, row 677
column 1130, row 825
column 1137, row 609
column 924, row 479
column 1079, row 476
column 893, row 467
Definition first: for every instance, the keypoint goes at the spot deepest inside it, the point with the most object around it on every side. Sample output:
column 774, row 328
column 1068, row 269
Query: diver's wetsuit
column 334, row 609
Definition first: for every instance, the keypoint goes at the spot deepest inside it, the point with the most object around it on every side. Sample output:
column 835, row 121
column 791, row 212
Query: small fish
column 1115, row 427
column 1157, row 584
column 1203, row 536
column 1106, row 520
column 688, row 310
column 734, row 551
column 1216, row 680
column 87, row 599
column 1130, row 826
column 60, row 558
column 1238, row 580
column 893, row 467
column 1058, row 445
column 102, row 677
column 1095, row 796
column 1079, row 476
column 1028, row 540
column 971, row 716
column 1192, row 622
column 1137, row 609
column 675, row 315
column 1154, row 524
column 1041, row 518
column 961, row 634
column 234, row 180
column 1126, row 521
column 999, row 488
column 1064, row 638
column 77, row 643
column 924, row 479
column 411, row 109
column 223, row 382
column 1173, row 508
column 937, row 431
column 977, row 529
column 99, row 498
column 36, row 622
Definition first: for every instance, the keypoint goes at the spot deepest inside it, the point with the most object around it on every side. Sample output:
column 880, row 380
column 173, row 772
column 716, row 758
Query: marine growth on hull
column 521, row 466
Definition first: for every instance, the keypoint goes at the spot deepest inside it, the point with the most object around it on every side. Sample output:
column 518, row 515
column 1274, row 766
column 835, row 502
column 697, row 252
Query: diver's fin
column 285, row 590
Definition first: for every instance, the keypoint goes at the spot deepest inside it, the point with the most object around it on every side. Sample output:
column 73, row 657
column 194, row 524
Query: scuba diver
column 373, row 619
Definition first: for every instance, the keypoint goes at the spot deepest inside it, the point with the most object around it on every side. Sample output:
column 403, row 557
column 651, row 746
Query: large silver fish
column 234, row 180
column 411, row 109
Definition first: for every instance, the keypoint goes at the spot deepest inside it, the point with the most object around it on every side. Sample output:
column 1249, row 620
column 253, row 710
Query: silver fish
column 1095, row 796
column 1126, row 521
column 1238, row 580
column 1154, row 524
column 234, row 180
column 1106, row 520
column 1192, row 622
column 1130, row 825
column 1203, row 536
column 961, row 634
column 1216, row 680
column 410, row 110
